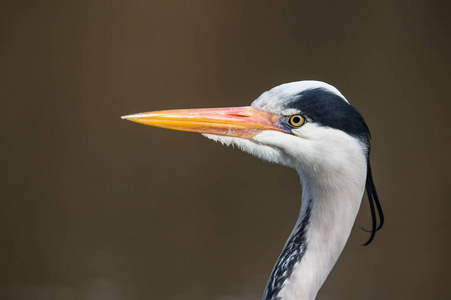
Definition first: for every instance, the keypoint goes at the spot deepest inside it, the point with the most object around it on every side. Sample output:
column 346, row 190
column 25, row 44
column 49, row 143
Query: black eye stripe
column 320, row 106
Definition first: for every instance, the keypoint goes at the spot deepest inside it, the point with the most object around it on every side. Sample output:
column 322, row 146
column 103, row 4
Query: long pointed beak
column 244, row 122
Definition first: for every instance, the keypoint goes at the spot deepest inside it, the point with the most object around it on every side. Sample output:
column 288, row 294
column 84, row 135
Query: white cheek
column 285, row 144
column 315, row 150
column 310, row 131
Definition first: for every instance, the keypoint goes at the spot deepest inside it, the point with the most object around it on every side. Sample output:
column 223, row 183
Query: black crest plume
column 373, row 199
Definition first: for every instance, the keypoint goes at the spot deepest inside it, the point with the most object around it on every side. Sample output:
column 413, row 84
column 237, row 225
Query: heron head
column 301, row 124
column 306, row 125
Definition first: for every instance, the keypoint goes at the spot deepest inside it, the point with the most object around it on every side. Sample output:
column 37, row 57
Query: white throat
column 333, row 178
column 332, row 214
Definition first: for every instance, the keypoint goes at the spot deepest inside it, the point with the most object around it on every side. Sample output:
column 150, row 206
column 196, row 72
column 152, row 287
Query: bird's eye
column 296, row 120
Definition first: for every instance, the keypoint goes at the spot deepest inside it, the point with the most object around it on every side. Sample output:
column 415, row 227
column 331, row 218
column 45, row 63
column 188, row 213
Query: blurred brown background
column 95, row 207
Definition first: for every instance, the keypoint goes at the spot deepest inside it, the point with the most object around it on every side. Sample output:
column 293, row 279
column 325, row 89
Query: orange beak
column 244, row 122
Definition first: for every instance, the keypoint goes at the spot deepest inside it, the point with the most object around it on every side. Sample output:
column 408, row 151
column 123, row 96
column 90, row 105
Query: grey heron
column 311, row 127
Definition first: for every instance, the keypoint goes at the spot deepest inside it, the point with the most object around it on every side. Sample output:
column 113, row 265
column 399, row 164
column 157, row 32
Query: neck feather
column 328, row 211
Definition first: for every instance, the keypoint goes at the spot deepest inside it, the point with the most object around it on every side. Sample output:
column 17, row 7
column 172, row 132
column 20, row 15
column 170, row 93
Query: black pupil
column 296, row 120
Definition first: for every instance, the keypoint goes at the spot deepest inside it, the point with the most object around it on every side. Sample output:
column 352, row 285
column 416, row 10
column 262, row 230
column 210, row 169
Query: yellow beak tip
column 129, row 117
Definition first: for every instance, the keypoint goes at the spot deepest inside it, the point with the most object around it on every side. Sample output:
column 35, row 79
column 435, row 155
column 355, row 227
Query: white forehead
column 274, row 99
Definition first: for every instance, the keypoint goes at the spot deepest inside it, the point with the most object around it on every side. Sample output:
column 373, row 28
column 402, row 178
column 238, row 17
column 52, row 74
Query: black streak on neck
column 291, row 254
